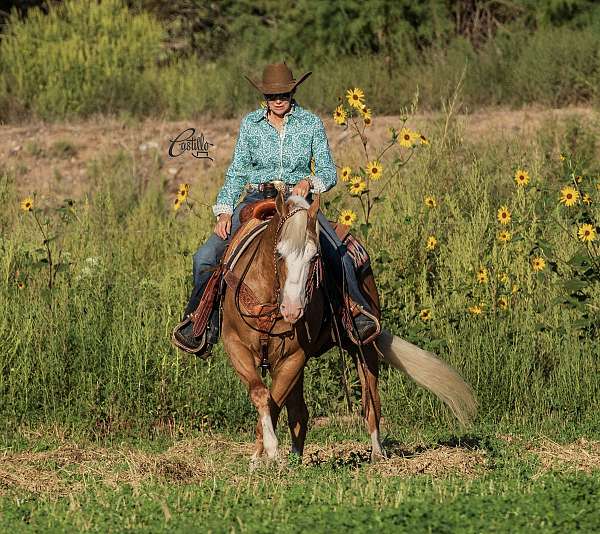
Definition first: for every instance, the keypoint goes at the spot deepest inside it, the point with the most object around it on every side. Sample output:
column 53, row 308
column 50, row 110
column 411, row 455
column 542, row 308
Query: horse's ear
column 280, row 204
column 314, row 207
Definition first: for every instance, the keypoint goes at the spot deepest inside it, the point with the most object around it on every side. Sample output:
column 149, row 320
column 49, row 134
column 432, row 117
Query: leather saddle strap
column 247, row 296
column 203, row 310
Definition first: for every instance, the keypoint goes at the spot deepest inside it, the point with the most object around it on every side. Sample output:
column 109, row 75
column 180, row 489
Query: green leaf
column 574, row 284
column 579, row 260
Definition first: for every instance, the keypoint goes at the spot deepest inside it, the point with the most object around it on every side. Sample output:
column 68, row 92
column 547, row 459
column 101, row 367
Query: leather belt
column 275, row 183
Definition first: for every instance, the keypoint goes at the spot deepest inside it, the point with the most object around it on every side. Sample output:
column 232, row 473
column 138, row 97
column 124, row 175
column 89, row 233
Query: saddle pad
column 241, row 239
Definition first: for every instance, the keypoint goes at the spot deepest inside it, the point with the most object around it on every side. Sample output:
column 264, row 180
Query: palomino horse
column 277, row 272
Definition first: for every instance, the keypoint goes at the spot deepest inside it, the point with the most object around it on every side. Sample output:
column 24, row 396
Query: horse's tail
column 430, row 372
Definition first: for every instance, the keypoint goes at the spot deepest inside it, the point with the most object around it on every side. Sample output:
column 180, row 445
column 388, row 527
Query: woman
column 276, row 143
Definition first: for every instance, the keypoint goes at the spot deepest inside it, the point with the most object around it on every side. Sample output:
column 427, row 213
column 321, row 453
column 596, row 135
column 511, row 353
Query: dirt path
column 52, row 159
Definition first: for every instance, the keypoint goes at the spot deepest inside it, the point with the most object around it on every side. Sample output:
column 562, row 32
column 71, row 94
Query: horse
column 283, row 325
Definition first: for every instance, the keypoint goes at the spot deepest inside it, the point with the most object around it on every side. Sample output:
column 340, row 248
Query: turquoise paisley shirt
column 262, row 154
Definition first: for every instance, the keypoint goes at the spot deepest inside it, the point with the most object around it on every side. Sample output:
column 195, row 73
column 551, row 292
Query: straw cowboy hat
column 277, row 78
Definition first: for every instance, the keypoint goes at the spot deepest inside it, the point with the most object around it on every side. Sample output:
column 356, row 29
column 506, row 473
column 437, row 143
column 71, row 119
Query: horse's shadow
column 394, row 449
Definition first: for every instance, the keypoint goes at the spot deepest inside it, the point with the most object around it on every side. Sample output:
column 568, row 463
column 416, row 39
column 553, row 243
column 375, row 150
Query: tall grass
column 94, row 350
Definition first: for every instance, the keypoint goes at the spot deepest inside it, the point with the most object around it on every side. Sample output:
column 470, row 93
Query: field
column 106, row 427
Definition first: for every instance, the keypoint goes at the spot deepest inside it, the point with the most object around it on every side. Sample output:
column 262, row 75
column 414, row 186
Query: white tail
column 430, row 372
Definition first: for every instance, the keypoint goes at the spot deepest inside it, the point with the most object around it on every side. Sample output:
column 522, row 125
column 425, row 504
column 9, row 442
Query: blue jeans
column 333, row 252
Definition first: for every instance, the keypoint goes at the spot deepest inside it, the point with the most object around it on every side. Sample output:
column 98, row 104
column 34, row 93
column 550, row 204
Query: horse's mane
column 293, row 232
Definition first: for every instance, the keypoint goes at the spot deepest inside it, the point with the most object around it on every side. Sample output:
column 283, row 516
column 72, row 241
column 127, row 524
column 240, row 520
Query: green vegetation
column 182, row 59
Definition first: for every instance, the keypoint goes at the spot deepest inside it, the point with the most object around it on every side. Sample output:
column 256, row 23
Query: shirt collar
column 294, row 112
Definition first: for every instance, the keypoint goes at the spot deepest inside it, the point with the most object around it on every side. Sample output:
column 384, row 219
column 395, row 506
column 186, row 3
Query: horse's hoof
column 377, row 457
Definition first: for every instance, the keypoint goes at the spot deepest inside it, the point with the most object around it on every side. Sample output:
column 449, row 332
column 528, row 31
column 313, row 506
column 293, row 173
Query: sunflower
column 503, row 278
column 27, row 204
column 182, row 191
column 430, row 201
column 482, row 275
column 431, row 242
column 365, row 112
column 425, row 314
column 504, row 236
column 476, row 310
column 355, row 97
column 503, row 215
column 339, row 115
column 538, row 264
column 521, row 177
column 345, row 174
column 177, row 203
column 569, row 196
column 347, row 217
column 586, row 232
column 368, row 121
column 502, row 303
column 374, row 170
column 563, row 157
column 406, row 138
column 587, row 199
column 423, row 139
column 357, row 185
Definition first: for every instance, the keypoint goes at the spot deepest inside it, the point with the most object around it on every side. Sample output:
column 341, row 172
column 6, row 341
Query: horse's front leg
column 287, row 389
column 297, row 412
column 368, row 372
column 244, row 364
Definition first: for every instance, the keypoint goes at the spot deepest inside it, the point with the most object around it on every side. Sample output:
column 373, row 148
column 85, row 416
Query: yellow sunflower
column 430, row 201
column 521, row 177
column 476, row 310
column 502, row 303
column 503, row 278
column 182, row 191
column 366, row 112
column 504, row 236
column 569, row 196
column 27, row 204
column 482, row 275
column 425, row 314
column 177, row 203
column 339, row 115
column 538, row 264
column 423, row 139
column 374, row 170
column 345, row 174
column 406, row 138
column 347, row 217
column 563, row 157
column 431, row 242
column 368, row 121
column 357, row 185
column 587, row 199
column 586, row 233
column 355, row 97
column 503, row 215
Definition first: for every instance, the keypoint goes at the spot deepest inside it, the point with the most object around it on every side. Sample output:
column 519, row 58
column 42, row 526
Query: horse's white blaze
column 297, row 274
column 269, row 437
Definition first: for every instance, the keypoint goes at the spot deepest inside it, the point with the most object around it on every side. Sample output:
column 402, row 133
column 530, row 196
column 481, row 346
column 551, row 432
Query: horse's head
column 297, row 245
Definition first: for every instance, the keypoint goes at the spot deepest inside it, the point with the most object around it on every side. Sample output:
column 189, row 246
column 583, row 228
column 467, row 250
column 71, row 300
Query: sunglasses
column 280, row 96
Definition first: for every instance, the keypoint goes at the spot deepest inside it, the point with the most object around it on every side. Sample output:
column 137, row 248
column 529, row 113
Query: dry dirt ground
column 71, row 467
column 52, row 159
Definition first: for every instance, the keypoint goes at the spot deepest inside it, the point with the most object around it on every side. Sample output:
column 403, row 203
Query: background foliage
column 185, row 57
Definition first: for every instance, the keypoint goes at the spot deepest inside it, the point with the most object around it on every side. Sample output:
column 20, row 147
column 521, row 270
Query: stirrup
column 199, row 350
column 373, row 336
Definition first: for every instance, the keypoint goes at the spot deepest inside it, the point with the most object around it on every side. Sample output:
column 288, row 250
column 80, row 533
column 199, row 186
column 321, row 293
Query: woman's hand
column 302, row 188
column 223, row 225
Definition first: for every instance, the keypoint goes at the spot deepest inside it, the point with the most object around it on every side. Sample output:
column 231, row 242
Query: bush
column 83, row 57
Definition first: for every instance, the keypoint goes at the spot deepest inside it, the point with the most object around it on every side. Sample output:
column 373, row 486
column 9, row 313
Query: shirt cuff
column 222, row 208
column 318, row 185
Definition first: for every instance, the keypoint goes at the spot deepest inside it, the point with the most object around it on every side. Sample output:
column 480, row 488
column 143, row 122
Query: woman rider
column 276, row 143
